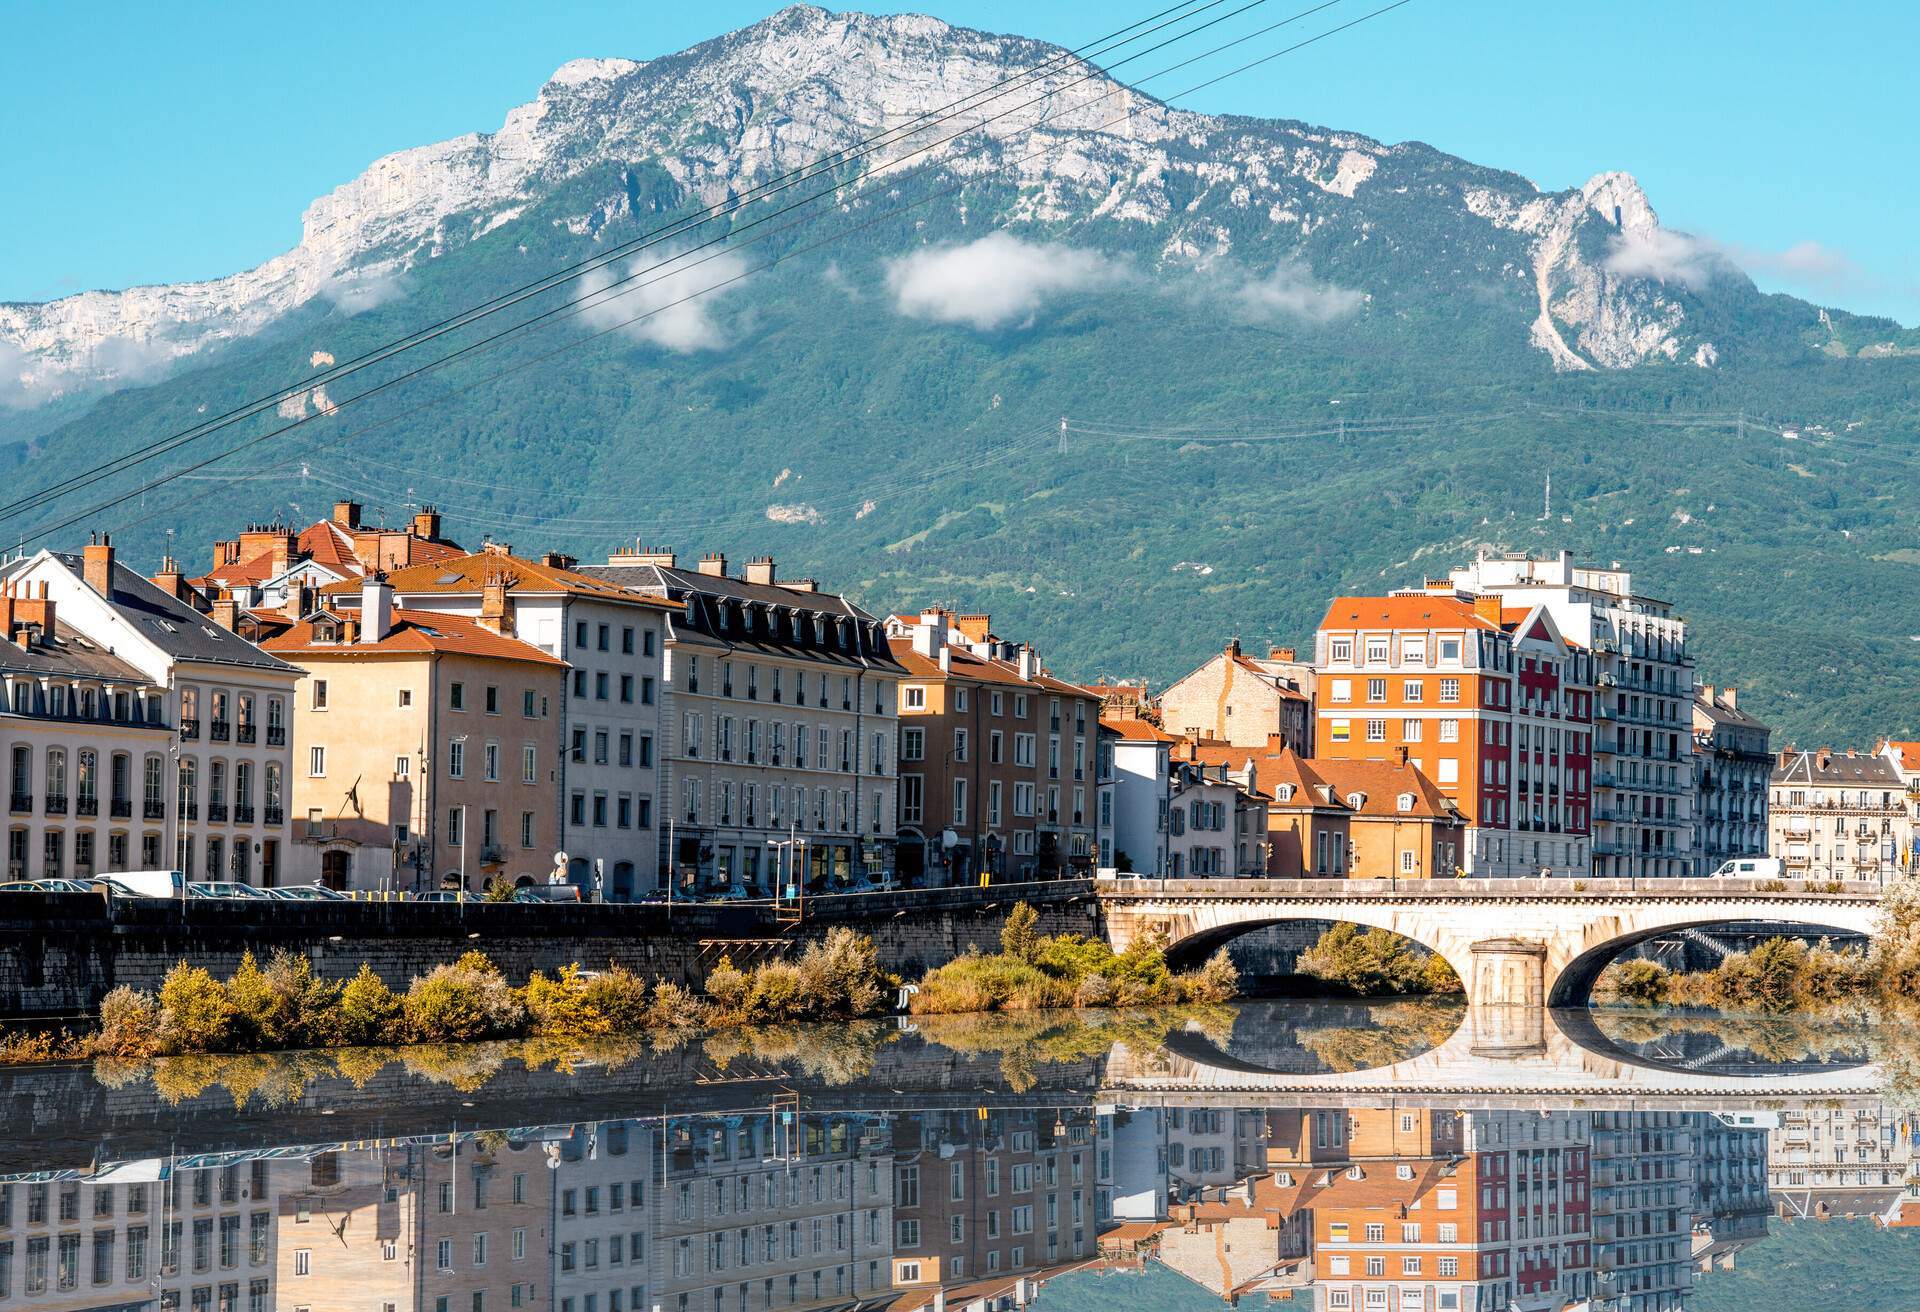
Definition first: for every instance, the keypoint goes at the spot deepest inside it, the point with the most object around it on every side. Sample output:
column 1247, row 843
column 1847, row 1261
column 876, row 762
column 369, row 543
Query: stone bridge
column 1513, row 942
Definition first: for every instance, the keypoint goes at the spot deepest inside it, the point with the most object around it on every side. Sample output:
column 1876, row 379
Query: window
column 1340, row 690
column 1376, row 690
column 404, row 697
column 457, row 695
column 319, row 694
column 1376, row 731
column 1449, row 731
column 1414, row 690
column 1411, row 730
column 1340, row 649
column 456, row 759
column 913, row 697
column 1449, row 690
column 529, row 764
column 317, row 762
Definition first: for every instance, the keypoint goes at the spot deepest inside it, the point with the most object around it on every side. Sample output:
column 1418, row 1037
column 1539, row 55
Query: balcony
column 56, row 804
column 153, row 810
column 23, row 803
column 492, row 854
column 191, row 811
column 276, row 735
column 273, row 815
column 217, row 812
column 86, row 806
column 189, row 727
column 121, row 808
column 219, row 731
column 246, row 733
column 242, row 813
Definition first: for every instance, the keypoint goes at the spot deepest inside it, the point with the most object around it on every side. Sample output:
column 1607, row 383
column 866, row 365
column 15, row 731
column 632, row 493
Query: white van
column 1750, row 867
column 147, row 883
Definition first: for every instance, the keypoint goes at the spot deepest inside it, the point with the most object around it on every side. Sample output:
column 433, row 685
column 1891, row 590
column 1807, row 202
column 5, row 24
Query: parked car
column 148, row 883
column 44, row 886
column 228, row 888
column 306, row 893
column 446, row 895
column 731, row 893
column 548, row 893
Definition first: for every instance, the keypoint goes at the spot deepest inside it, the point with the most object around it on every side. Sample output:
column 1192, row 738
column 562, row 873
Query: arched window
column 1405, row 802
column 56, row 776
column 189, row 788
column 1356, row 800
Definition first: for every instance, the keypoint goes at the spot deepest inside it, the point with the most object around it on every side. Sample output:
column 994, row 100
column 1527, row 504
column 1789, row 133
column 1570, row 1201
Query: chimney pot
column 1282, row 654
column 1731, row 698
column 346, row 514
column 714, row 564
column 760, row 570
column 558, row 560
column 97, row 565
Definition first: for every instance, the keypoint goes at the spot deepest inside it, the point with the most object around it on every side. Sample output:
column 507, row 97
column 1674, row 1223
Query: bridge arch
column 1573, row 985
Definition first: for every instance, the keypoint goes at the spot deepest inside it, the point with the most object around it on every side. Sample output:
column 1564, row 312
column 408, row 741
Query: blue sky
column 156, row 143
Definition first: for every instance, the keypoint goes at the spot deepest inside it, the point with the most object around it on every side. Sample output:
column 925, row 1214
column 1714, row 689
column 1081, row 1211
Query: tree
column 1018, row 937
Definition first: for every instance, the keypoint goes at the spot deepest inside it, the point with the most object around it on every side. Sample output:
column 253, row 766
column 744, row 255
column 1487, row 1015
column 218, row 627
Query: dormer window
column 1356, row 800
column 1404, row 802
column 1283, row 793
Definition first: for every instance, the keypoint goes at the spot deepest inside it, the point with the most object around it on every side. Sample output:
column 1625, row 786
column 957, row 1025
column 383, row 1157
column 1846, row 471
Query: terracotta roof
column 966, row 665
column 414, row 632
column 1139, row 731
column 1406, row 612
column 1909, row 753
column 1277, row 681
column 467, row 574
column 1379, row 782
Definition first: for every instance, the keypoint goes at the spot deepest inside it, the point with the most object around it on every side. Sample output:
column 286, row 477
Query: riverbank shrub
column 462, row 1002
column 370, row 1012
column 1376, row 961
column 835, row 978
column 1035, row 972
column 1778, row 975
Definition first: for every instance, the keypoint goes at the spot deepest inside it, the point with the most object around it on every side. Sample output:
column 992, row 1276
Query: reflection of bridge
column 1525, row 942
column 1499, row 1057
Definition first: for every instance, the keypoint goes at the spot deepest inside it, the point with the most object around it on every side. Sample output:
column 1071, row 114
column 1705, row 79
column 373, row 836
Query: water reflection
column 979, row 1165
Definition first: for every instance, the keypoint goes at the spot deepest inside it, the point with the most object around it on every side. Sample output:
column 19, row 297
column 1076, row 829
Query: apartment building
column 779, row 738
column 193, row 1240
column 1642, row 671
column 606, row 1181
column 1840, row 1160
column 1333, row 819
column 995, row 1194
column 1244, row 701
column 1142, row 793
column 80, row 723
column 611, row 719
column 1216, row 825
column 1731, row 769
column 232, row 704
column 1905, row 757
column 1838, row 815
column 998, row 770
column 1644, row 1202
column 427, row 749
column 1488, row 701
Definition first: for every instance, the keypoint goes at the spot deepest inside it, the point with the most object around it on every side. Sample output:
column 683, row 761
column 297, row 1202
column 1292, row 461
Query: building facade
column 1234, row 698
column 998, row 770
column 1838, row 815
column 426, row 750
column 1333, row 819
column 1731, row 769
column 226, row 777
column 1488, row 701
column 1642, row 670
column 778, row 745
column 1142, row 792
column 1215, row 824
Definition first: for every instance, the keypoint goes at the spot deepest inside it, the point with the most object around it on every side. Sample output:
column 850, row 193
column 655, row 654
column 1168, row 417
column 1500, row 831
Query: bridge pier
column 1507, row 972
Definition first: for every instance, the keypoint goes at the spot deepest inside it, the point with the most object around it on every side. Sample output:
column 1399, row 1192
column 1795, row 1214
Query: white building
column 780, row 727
column 1215, row 826
column 1141, row 792
column 1643, row 705
column 216, row 799
column 1838, row 815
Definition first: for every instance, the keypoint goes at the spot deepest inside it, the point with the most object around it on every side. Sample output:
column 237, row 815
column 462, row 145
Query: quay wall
column 61, row 953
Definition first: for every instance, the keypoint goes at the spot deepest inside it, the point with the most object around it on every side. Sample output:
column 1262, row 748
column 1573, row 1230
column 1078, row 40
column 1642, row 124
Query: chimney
column 558, row 560
column 1400, row 755
column 1487, row 606
column 346, row 514
column 376, row 606
column 1282, row 654
column 641, row 555
column 1233, row 646
column 760, row 570
column 1730, row 698
column 98, row 565
column 426, row 524
column 946, row 659
column 1706, row 691
column 226, row 613
column 493, row 603
column 930, row 634
column 169, row 579
column 1029, row 663
column 299, row 600
column 492, row 548
column 804, row 585
column 714, row 563
column 975, row 628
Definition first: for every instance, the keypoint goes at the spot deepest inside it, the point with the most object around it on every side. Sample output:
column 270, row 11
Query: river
column 1342, row 1157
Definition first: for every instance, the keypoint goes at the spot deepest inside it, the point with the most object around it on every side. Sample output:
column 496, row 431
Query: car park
column 44, row 886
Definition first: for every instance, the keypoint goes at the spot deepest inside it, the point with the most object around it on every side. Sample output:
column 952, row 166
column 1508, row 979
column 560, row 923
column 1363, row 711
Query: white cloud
column 652, row 303
column 356, row 293
column 1807, row 263
column 995, row 281
column 1693, row 262
column 16, row 389
column 1292, row 292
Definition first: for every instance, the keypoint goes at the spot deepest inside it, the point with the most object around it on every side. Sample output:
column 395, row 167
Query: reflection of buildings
column 1730, row 1179
column 1842, row 1161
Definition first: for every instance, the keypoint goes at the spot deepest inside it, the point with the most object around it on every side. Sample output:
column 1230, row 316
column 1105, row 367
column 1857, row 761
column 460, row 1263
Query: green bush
column 462, row 1002
column 369, row 1011
column 195, row 1014
column 1018, row 937
column 129, row 1025
column 620, row 996
column 1376, row 961
column 559, row 1007
column 1217, row 981
column 1635, row 981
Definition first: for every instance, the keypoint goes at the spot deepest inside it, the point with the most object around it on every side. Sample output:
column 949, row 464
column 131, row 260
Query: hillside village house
column 1239, row 700
column 1642, row 673
column 610, row 720
column 998, row 769
column 778, row 742
column 215, row 800
column 1488, row 701
column 426, row 749
column 1837, row 815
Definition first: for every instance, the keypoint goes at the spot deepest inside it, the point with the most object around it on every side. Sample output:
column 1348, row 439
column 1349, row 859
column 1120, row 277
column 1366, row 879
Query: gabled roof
column 964, row 664
column 1139, row 731
column 67, row 651
column 466, row 575
column 1825, row 766
column 414, row 633
column 1380, row 785
column 171, row 625
column 1404, row 612
column 1908, row 752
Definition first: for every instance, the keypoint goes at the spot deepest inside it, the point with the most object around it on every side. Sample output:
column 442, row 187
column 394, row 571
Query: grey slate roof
column 66, row 651
column 177, row 628
column 1839, row 769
